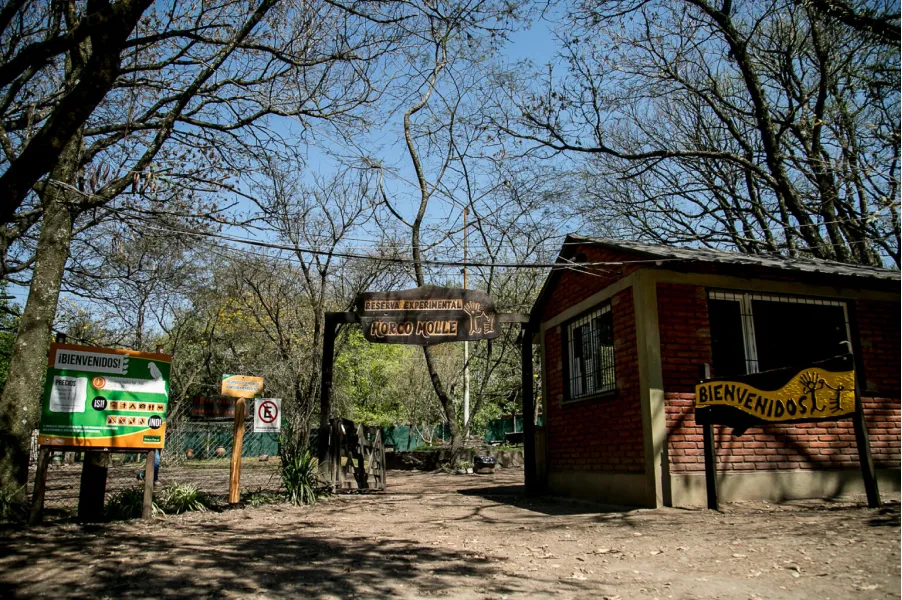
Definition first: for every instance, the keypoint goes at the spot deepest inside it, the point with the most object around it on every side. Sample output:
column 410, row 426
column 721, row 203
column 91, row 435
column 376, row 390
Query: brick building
column 622, row 343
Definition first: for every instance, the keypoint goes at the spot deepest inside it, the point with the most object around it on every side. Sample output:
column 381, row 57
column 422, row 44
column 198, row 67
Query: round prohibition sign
column 268, row 411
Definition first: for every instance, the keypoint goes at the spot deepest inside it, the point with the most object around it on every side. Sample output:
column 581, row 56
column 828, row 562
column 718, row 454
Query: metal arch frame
column 334, row 319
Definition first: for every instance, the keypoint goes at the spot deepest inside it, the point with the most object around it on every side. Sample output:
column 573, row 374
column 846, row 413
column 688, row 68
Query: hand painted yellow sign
column 241, row 386
column 812, row 393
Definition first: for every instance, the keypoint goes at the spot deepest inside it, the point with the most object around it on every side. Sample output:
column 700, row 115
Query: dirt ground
column 467, row 536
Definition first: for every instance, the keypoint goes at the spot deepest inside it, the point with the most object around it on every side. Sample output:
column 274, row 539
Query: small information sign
column 268, row 415
column 241, row 386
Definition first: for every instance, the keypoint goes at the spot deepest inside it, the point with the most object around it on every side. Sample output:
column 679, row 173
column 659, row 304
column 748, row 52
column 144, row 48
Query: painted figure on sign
column 480, row 322
column 812, row 383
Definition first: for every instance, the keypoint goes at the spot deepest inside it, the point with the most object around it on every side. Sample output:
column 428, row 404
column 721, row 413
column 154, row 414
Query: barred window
column 753, row 332
column 590, row 354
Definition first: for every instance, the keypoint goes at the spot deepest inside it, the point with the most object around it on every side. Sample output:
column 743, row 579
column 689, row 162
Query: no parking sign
column 268, row 415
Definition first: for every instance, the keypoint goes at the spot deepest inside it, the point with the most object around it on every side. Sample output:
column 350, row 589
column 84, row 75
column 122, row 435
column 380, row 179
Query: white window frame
column 746, row 316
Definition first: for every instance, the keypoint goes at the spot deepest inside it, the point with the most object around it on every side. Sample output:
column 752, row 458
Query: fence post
column 709, row 451
column 147, row 508
column 529, row 413
column 325, row 390
column 40, row 487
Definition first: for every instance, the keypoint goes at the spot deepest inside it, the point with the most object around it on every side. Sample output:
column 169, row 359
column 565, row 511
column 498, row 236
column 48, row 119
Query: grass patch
column 184, row 497
column 259, row 497
column 128, row 504
column 173, row 499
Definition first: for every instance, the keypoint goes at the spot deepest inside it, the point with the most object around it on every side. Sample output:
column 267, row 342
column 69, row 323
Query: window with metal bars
column 753, row 332
column 590, row 355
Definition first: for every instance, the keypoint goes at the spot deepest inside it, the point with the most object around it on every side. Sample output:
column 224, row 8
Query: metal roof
column 706, row 255
column 807, row 268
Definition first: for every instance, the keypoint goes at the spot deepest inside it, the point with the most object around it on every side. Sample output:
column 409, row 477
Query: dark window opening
column 759, row 332
column 590, row 355
column 727, row 342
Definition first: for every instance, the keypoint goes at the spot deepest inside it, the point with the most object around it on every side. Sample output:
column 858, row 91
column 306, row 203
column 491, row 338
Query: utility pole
column 466, row 344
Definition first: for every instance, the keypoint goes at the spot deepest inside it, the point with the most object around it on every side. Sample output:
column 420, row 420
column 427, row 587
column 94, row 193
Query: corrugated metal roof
column 705, row 255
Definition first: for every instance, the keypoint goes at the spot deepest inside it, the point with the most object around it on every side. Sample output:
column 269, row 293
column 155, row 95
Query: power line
column 394, row 259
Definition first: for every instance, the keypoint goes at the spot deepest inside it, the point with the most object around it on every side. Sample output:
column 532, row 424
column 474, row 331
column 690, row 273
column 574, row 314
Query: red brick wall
column 685, row 334
column 601, row 434
column 878, row 331
column 686, row 343
column 798, row 446
column 575, row 286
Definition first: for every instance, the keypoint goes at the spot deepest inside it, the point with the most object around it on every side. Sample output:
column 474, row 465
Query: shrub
column 128, row 504
column 299, row 470
column 184, row 497
column 300, row 476
column 259, row 497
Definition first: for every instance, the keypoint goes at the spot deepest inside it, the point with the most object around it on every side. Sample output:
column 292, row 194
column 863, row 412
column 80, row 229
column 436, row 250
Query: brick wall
column 686, row 343
column 878, row 331
column 685, row 334
column 575, row 286
column 601, row 434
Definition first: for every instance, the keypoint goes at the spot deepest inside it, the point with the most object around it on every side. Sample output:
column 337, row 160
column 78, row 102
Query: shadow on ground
column 221, row 559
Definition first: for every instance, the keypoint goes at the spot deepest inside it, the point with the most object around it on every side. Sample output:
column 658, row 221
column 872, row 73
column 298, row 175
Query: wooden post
column 40, row 487
column 710, row 455
column 864, row 452
column 147, row 509
column 529, row 413
column 235, row 465
column 325, row 392
column 92, row 492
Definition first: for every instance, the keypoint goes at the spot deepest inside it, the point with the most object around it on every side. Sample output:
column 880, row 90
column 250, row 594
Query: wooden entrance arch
column 334, row 319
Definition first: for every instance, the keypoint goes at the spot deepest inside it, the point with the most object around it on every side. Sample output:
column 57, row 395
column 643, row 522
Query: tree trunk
column 20, row 405
column 447, row 406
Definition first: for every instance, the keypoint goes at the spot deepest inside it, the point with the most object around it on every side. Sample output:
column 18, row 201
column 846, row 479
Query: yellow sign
column 241, row 386
column 811, row 394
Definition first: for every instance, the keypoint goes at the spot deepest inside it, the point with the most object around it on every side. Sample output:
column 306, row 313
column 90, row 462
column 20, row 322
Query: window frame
column 568, row 376
column 747, row 316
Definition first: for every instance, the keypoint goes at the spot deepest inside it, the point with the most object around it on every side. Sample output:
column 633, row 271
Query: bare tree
column 765, row 127
column 193, row 100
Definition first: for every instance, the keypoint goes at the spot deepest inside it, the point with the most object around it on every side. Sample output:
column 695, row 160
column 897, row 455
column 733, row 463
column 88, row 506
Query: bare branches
column 724, row 125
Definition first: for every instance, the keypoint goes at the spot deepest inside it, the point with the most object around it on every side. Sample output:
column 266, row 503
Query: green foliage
column 299, row 470
column 301, row 478
column 184, row 497
column 128, row 504
column 13, row 506
column 260, row 498
column 172, row 499
column 370, row 381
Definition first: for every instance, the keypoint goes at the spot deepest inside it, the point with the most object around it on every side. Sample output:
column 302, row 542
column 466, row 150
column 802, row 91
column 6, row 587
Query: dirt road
column 466, row 536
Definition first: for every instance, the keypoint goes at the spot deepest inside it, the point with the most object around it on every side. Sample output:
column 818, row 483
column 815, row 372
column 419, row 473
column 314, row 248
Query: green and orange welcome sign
column 105, row 398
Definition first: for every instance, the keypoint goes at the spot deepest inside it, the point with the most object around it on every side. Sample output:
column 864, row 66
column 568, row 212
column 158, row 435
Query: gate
column 356, row 457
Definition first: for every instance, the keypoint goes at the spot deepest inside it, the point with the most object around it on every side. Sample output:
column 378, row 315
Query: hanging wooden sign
column 822, row 391
column 427, row 315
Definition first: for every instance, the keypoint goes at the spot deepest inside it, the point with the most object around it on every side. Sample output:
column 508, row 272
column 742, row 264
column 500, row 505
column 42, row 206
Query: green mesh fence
column 404, row 437
column 203, row 438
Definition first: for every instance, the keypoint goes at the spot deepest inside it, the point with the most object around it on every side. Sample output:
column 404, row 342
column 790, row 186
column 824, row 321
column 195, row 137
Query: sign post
column 822, row 391
column 99, row 400
column 239, row 387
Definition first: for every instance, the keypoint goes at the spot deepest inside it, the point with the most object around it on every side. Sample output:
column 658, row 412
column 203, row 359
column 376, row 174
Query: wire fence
column 196, row 452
